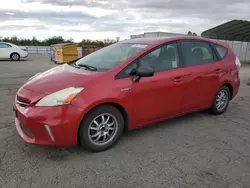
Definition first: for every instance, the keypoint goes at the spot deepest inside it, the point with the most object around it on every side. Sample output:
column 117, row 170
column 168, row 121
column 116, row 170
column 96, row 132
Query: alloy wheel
column 15, row 57
column 102, row 129
column 222, row 100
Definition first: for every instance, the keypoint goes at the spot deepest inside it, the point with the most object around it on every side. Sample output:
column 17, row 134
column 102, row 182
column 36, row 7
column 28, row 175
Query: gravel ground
column 196, row 150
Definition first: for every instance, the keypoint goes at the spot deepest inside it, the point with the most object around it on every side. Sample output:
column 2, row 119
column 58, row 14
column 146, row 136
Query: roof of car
column 154, row 40
column 159, row 40
column 7, row 43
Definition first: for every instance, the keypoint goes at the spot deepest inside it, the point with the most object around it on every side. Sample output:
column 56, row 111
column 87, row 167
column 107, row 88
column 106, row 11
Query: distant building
column 155, row 34
column 136, row 36
column 109, row 40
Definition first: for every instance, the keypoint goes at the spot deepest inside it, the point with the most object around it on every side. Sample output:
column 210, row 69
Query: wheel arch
column 230, row 87
column 15, row 53
column 116, row 105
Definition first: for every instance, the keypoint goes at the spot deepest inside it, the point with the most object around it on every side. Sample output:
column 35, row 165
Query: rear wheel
column 221, row 101
column 101, row 128
column 15, row 57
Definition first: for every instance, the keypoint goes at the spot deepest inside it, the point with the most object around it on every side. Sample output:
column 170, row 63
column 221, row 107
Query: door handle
column 178, row 79
column 217, row 71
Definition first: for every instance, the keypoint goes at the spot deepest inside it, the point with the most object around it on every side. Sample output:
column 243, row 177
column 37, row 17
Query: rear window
column 222, row 51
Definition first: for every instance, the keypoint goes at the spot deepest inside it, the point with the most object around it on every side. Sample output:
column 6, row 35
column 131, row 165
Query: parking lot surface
column 196, row 150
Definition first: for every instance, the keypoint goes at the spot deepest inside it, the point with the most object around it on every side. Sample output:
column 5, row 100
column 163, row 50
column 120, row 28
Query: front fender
column 89, row 103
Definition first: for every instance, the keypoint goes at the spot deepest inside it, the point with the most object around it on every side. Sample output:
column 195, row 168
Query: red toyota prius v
column 127, row 85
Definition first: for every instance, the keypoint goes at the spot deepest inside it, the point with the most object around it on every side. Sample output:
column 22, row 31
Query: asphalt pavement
column 196, row 150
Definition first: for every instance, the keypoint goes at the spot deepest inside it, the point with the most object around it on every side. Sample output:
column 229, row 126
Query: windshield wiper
column 73, row 64
column 89, row 67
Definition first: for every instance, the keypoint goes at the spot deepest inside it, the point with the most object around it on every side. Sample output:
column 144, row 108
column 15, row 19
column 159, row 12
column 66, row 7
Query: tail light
column 237, row 62
column 24, row 49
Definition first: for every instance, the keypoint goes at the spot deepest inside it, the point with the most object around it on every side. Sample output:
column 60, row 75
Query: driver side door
column 160, row 96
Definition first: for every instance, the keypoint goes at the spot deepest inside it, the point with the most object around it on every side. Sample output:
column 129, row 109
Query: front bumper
column 56, row 126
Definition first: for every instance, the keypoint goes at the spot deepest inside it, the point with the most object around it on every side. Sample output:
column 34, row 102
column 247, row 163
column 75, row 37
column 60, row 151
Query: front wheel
column 221, row 101
column 101, row 128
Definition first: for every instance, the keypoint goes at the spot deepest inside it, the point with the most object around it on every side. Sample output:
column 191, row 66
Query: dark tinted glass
column 196, row 52
column 163, row 58
column 222, row 51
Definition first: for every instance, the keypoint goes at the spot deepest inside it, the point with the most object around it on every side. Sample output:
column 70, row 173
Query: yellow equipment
column 65, row 52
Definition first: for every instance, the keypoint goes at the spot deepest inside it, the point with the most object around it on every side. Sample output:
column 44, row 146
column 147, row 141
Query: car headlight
column 61, row 97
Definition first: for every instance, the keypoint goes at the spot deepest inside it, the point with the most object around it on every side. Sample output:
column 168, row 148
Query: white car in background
column 12, row 51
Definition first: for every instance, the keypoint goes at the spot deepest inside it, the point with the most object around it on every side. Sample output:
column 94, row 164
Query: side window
column 163, row 58
column 222, row 51
column 196, row 52
column 3, row 45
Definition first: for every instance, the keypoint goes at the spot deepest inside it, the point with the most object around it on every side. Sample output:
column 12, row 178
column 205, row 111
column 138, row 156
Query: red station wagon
column 124, row 86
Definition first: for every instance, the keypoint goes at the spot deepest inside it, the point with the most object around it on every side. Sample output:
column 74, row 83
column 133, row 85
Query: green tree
column 70, row 40
column 54, row 40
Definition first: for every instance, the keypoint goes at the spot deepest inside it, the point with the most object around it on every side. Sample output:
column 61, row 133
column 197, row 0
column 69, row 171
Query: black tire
column 84, row 130
column 15, row 57
column 215, row 110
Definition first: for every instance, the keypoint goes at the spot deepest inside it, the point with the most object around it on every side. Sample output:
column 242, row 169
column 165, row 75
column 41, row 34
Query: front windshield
column 111, row 56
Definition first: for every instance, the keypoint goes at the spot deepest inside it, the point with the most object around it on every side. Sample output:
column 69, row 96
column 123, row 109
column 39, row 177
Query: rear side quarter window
column 222, row 51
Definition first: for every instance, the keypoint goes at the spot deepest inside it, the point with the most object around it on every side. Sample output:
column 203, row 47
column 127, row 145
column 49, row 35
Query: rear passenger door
column 4, row 50
column 202, row 74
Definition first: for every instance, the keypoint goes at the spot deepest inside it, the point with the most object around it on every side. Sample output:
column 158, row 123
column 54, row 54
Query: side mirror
column 132, row 72
column 145, row 72
column 142, row 72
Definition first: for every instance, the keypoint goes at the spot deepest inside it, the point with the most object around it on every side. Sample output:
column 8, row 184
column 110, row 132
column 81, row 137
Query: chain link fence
column 45, row 50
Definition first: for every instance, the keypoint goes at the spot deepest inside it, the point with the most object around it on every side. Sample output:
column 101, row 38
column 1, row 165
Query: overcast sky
column 101, row 19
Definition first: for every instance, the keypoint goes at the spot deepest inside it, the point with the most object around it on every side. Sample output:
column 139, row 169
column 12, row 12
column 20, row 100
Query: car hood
column 58, row 78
